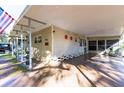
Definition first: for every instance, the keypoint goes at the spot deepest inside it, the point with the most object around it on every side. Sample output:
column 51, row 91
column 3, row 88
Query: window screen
column 92, row 45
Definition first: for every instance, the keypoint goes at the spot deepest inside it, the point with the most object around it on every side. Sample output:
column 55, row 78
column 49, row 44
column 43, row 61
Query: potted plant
column 27, row 57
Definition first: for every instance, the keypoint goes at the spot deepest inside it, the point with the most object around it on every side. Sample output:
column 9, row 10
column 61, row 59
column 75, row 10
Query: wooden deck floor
column 89, row 70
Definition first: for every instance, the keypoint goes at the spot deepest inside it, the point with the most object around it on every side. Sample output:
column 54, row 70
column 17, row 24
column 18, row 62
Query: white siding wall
column 62, row 46
column 39, row 49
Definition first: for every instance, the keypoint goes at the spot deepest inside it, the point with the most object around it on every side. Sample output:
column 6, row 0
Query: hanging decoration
column 38, row 39
column 70, row 37
column 46, row 43
column 66, row 36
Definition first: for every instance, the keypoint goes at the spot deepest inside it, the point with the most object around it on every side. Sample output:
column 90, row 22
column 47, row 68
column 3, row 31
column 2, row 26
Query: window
column 92, row 48
column 92, row 45
column 111, row 42
column 101, row 45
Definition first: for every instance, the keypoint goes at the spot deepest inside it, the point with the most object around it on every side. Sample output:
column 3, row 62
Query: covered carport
column 83, row 70
column 90, row 21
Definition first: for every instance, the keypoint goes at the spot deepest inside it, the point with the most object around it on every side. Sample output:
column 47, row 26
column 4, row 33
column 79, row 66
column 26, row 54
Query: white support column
column 22, row 46
column 12, row 47
column 87, row 45
column 17, row 55
column 30, row 45
column 97, row 46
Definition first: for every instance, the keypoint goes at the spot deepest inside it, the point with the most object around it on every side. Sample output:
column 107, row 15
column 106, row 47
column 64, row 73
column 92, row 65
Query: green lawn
column 12, row 59
column 7, row 56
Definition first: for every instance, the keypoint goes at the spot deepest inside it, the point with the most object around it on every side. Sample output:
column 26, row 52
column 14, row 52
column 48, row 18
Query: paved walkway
column 85, row 71
column 7, row 70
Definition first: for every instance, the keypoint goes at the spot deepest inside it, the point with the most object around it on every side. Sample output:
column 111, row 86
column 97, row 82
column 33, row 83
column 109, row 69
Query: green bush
column 112, row 53
column 19, row 67
column 122, row 46
column 22, row 68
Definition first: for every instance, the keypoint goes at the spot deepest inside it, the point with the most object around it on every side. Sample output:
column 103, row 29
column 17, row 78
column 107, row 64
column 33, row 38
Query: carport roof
column 90, row 20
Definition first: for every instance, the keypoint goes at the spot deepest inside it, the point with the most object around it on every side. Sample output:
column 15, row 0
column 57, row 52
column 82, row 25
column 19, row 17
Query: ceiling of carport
column 92, row 20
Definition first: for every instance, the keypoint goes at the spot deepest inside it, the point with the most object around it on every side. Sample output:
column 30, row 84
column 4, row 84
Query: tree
column 4, row 38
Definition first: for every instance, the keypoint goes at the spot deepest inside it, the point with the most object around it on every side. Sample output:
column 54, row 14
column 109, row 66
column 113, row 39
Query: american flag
column 5, row 20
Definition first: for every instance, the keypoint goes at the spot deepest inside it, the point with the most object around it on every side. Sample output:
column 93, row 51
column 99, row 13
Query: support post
column 30, row 45
column 97, row 49
column 12, row 44
column 22, row 46
column 87, row 45
column 17, row 55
